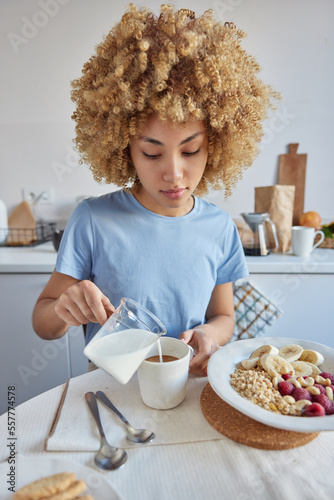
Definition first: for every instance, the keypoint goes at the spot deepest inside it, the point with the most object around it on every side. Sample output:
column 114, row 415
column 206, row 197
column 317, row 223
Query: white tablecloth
column 212, row 469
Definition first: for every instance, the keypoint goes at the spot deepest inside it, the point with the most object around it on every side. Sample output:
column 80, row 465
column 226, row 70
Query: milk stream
column 121, row 353
column 159, row 351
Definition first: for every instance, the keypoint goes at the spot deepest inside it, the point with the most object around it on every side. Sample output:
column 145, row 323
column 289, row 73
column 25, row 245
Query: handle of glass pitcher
column 273, row 228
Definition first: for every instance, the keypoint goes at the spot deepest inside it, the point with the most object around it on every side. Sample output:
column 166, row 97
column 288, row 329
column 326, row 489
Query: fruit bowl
column 225, row 361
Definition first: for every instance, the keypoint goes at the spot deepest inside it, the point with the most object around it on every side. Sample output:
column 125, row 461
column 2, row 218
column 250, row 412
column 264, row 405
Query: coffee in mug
column 165, row 358
column 163, row 385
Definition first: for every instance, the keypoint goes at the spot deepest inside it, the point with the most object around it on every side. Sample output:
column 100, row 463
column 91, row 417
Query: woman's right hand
column 82, row 303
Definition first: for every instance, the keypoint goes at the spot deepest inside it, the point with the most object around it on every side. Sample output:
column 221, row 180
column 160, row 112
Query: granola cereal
column 257, row 387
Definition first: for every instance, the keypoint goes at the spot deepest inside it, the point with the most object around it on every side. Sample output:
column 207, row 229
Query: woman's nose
column 173, row 171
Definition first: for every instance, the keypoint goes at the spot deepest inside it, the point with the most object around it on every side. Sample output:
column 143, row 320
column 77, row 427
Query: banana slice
column 290, row 352
column 265, row 349
column 275, row 365
column 302, row 369
column 312, row 357
column 315, row 369
column 250, row 363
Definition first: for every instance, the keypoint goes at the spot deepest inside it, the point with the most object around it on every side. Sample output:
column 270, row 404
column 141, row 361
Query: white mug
column 302, row 240
column 163, row 385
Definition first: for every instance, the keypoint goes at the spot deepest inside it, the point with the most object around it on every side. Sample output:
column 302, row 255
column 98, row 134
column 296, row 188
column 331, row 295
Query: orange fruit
column 311, row 219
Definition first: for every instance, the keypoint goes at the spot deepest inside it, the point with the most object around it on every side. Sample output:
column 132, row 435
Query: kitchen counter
column 321, row 261
column 42, row 259
column 36, row 259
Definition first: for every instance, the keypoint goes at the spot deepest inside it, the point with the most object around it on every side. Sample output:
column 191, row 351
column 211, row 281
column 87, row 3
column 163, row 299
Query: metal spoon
column 108, row 457
column 134, row 435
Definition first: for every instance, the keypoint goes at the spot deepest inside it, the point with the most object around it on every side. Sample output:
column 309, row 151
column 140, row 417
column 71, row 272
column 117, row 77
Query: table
column 213, row 469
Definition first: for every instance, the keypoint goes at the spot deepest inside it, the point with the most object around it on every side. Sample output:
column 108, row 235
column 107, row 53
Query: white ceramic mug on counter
column 302, row 240
column 163, row 385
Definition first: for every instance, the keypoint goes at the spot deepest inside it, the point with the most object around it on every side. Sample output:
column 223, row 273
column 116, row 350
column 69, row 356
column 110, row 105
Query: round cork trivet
column 243, row 429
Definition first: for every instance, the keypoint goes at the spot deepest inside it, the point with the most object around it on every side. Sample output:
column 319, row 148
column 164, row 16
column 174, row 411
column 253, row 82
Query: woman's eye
column 192, row 153
column 152, row 157
column 185, row 153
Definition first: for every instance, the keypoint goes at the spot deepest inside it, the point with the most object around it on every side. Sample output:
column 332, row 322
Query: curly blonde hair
column 179, row 68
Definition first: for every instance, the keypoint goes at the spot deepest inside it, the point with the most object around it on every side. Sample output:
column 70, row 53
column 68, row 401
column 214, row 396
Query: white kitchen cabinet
column 28, row 363
column 306, row 301
column 303, row 288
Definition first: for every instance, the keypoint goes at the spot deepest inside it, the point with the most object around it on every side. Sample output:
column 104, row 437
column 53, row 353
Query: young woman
column 167, row 108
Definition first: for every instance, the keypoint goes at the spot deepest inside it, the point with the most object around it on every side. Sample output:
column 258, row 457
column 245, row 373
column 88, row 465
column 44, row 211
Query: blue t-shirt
column 170, row 265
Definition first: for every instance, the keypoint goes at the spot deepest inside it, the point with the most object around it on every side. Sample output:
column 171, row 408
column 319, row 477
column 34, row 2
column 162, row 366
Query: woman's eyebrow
column 159, row 143
column 191, row 138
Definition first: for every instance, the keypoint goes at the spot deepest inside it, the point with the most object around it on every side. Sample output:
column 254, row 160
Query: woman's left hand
column 204, row 344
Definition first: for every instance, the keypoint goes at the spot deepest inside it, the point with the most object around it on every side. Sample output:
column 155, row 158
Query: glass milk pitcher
column 125, row 339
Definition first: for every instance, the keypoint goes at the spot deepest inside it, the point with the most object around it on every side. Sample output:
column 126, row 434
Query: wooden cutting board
column 292, row 171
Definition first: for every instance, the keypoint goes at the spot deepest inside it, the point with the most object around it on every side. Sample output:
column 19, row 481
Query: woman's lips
column 174, row 194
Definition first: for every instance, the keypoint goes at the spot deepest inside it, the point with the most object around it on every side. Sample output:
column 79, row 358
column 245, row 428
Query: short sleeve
column 233, row 264
column 76, row 247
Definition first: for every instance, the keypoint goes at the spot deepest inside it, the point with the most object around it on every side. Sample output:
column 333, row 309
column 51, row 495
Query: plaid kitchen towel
column 253, row 311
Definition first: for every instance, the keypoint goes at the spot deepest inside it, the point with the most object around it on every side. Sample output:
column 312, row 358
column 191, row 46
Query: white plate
column 223, row 363
column 29, row 468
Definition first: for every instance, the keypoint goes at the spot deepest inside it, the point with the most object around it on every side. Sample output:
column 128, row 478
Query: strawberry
column 314, row 410
column 300, row 393
column 286, row 388
column 323, row 400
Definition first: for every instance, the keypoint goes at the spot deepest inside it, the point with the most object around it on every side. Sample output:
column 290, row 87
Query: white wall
column 44, row 44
